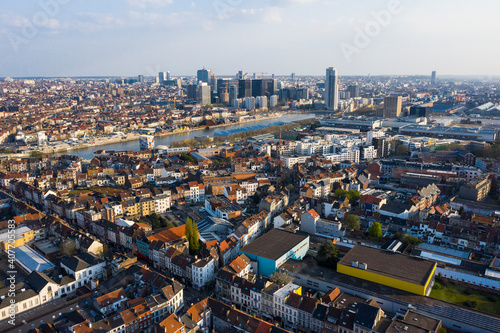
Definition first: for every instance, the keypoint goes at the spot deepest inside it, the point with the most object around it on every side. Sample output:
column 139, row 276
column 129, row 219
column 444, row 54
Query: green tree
column 163, row 222
column 375, row 230
column 186, row 157
column 193, row 236
column 411, row 240
column 68, row 248
column 352, row 222
column 155, row 221
column 228, row 159
column 36, row 154
column 280, row 278
column 339, row 192
column 353, row 196
column 328, row 255
column 402, row 150
column 189, row 228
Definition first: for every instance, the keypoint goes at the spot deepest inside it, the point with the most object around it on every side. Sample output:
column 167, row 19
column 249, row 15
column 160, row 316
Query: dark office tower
column 162, row 76
column 254, row 75
column 257, row 87
column 331, row 89
column 244, row 88
column 233, row 93
column 433, row 77
column 213, row 82
column 223, row 85
column 301, row 93
column 284, row 94
column 420, row 111
column 293, row 76
column 191, row 91
column 270, row 87
column 168, row 76
column 353, row 91
column 239, row 76
column 204, row 75
column 140, row 78
column 382, row 145
column 272, row 76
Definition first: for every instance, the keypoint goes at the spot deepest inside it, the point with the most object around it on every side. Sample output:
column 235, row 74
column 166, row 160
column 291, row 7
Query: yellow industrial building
column 389, row 268
column 19, row 237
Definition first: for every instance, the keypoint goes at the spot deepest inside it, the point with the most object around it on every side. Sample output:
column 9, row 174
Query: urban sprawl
column 277, row 204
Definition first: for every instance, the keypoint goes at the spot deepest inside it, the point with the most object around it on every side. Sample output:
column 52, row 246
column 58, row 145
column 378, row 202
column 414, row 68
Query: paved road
column 42, row 313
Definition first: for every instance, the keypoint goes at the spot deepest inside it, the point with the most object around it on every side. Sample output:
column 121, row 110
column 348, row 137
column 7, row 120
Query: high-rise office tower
column 293, row 76
column 270, row 87
column 331, row 89
column 233, row 93
column 203, row 95
column 433, row 77
column 257, row 87
column 392, row 106
column 244, row 88
column 162, row 76
column 168, row 76
column 353, row 91
column 213, row 83
column 223, row 85
column 204, row 75
column 140, row 78
column 191, row 92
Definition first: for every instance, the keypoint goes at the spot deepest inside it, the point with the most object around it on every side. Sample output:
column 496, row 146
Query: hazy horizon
column 64, row 38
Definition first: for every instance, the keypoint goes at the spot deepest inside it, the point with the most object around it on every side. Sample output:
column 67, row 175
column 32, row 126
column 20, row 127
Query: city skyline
column 56, row 38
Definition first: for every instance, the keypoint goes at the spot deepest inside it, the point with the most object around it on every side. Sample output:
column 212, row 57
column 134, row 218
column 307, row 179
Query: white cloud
column 149, row 3
column 12, row 20
column 272, row 15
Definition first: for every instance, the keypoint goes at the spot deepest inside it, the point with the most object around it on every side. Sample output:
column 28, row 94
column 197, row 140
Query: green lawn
column 106, row 190
column 456, row 294
column 78, row 192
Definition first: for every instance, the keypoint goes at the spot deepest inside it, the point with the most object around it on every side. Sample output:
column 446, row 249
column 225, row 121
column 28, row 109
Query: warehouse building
column 389, row 268
column 271, row 250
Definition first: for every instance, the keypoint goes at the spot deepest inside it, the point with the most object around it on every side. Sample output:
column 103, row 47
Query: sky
column 63, row 38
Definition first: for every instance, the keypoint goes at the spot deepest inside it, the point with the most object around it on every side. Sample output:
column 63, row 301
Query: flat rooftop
column 390, row 264
column 309, row 268
column 274, row 244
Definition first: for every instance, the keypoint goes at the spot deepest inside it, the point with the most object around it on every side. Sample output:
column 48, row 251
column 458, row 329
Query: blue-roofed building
column 271, row 250
column 30, row 260
column 198, row 157
column 445, row 250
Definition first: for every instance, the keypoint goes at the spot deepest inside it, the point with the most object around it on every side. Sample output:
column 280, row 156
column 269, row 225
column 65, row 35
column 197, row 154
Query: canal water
column 88, row 153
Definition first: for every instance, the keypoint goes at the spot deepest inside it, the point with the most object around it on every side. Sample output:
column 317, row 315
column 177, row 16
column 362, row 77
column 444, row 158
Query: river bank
column 103, row 141
column 130, row 142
